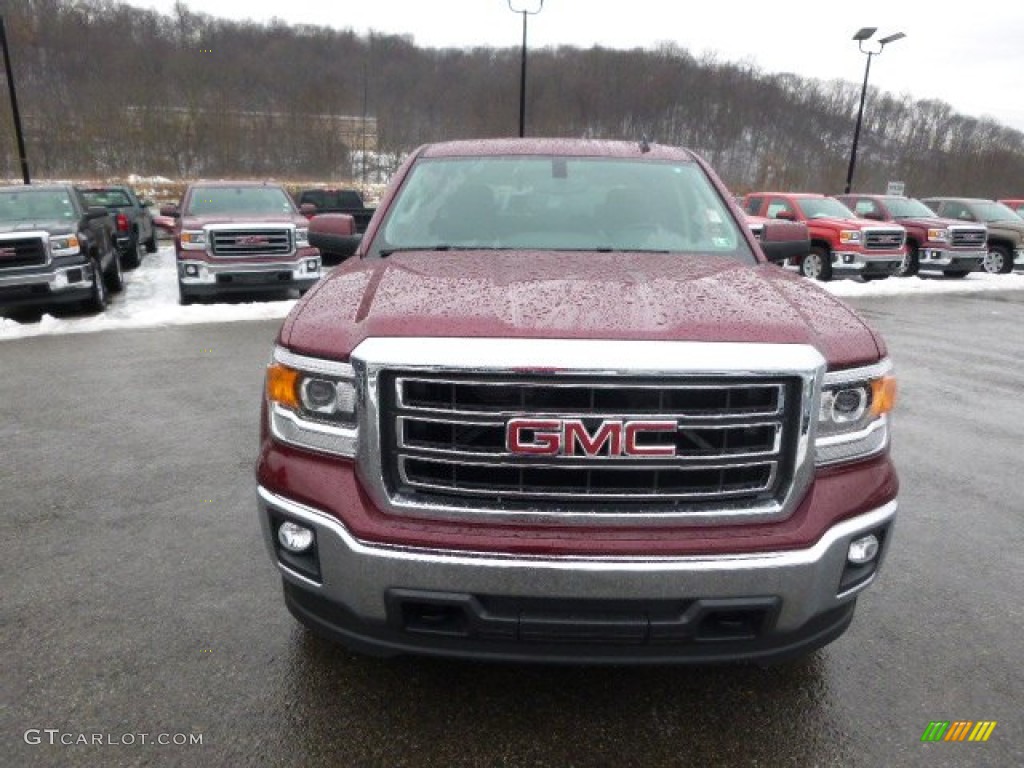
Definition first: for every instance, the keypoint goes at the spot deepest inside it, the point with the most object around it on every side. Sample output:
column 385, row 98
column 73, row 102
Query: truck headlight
column 193, row 240
column 849, row 235
column 312, row 403
column 65, row 245
column 938, row 235
column 302, row 237
column 853, row 415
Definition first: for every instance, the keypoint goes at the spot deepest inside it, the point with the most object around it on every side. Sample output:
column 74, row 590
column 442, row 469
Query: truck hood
column 1007, row 228
column 270, row 219
column 53, row 226
column 828, row 221
column 935, row 221
column 573, row 296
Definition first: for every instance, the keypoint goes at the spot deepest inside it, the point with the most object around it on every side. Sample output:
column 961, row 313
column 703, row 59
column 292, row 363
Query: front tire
column 911, row 263
column 100, row 299
column 998, row 260
column 151, row 244
column 817, row 264
column 114, row 276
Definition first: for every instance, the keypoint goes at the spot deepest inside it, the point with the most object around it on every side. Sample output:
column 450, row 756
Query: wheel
column 114, row 276
column 817, row 264
column 151, row 244
column 133, row 258
column 100, row 299
column 955, row 273
column 998, row 260
column 911, row 263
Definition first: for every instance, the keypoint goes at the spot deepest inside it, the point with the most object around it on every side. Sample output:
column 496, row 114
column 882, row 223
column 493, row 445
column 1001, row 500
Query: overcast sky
column 969, row 54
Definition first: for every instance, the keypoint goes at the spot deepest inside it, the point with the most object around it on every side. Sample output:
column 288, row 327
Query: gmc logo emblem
column 252, row 240
column 570, row 437
column 6, row 253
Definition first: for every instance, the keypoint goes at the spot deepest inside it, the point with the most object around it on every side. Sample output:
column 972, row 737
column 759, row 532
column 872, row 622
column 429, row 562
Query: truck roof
column 230, row 183
column 556, row 147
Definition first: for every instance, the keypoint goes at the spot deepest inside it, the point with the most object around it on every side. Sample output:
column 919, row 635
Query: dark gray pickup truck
column 55, row 248
column 347, row 201
column 133, row 223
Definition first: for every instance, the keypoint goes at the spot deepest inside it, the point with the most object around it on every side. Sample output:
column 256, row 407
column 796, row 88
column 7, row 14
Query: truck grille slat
column 231, row 243
column 22, row 252
column 444, row 438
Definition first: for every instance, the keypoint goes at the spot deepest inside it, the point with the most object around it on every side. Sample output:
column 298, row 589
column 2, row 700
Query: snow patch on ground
column 150, row 300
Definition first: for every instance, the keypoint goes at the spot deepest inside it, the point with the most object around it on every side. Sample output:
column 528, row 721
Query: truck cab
column 1005, row 229
column 842, row 245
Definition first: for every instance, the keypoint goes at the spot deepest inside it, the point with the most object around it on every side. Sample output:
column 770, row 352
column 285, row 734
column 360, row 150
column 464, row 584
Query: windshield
column 994, row 212
column 904, row 208
column 216, row 201
column 36, row 205
column 560, row 203
column 824, row 207
column 108, row 198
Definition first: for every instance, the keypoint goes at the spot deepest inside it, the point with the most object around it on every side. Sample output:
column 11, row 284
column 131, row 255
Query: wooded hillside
column 106, row 90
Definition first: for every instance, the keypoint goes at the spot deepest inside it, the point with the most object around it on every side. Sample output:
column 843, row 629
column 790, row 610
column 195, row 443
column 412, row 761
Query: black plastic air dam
column 377, row 639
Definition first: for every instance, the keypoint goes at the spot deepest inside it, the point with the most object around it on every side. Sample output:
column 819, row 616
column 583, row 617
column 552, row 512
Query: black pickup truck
column 55, row 248
column 133, row 223
column 347, row 201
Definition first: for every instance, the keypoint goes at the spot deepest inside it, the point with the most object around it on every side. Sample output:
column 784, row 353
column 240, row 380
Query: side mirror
column 166, row 223
column 96, row 212
column 785, row 240
column 785, row 216
column 169, row 210
column 308, row 210
column 334, row 234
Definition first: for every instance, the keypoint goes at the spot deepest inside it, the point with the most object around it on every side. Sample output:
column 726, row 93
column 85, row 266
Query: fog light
column 294, row 537
column 862, row 550
column 191, row 270
column 847, row 258
column 312, row 265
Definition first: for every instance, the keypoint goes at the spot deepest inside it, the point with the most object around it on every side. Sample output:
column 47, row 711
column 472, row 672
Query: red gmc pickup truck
column 841, row 243
column 239, row 236
column 559, row 407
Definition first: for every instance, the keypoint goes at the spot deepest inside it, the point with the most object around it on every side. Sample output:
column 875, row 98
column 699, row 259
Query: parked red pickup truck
column 559, row 406
column 239, row 236
column 841, row 243
column 933, row 243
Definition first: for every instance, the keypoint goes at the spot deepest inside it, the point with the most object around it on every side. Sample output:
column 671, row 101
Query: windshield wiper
column 385, row 252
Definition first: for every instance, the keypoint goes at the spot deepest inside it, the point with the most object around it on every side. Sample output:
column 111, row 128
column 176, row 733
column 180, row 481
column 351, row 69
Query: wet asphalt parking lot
column 139, row 604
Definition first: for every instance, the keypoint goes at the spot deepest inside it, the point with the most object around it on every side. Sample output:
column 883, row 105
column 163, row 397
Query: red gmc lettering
column 547, row 436
column 570, row 437
column 635, row 428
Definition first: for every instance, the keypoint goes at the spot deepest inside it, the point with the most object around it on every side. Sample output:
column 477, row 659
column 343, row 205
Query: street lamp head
column 530, row 8
column 864, row 33
column 892, row 38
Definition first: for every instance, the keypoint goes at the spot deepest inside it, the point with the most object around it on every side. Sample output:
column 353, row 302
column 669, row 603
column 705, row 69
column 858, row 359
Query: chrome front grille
column 446, row 439
column 877, row 239
column 967, row 237
column 251, row 241
column 22, row 252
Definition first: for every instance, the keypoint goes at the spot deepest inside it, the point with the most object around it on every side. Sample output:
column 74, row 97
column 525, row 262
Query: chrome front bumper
column 358, row 575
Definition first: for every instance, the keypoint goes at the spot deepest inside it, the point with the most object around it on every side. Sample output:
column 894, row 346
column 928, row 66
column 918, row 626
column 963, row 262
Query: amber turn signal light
column 283, row 385
column 883, row 395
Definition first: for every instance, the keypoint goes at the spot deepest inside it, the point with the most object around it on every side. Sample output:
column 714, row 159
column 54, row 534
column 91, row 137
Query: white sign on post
column 894, row 188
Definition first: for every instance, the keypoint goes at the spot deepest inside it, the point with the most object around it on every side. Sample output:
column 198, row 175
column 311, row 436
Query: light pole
column 22, row 157
column 865, row 34
column 522, row 70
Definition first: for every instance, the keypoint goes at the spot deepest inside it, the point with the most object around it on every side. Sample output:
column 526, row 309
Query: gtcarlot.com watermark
column 57, row 737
